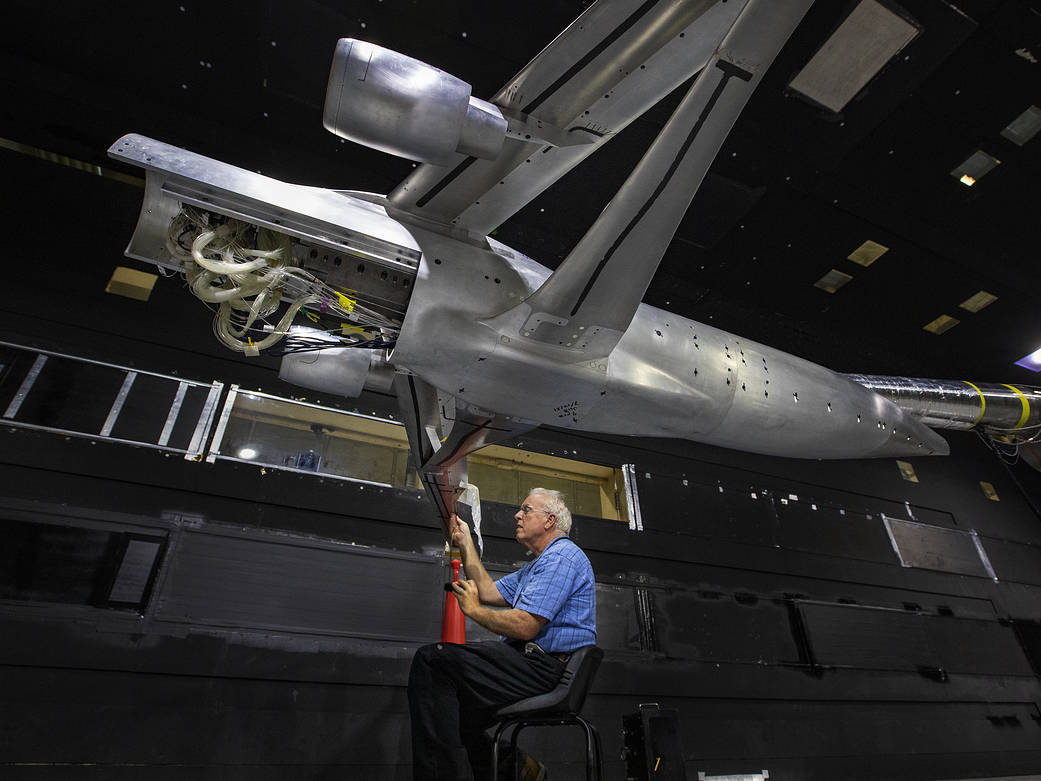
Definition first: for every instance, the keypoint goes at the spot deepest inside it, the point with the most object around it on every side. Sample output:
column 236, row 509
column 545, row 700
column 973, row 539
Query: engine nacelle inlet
column 344, row 371
column 397, row 104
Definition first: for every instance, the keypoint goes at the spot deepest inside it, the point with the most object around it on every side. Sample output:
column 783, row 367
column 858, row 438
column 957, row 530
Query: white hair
column 554, row 503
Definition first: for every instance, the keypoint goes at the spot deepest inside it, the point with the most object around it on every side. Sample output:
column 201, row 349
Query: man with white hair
column 544, row 611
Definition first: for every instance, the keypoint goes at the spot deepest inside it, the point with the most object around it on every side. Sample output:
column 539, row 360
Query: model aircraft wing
column 588, row 302
column 616, row 60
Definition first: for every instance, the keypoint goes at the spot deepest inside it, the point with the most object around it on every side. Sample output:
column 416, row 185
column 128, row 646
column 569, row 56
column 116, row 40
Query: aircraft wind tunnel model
column 408, row 292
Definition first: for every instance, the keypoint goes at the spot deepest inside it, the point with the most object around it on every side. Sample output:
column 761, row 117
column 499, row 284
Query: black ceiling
column 792, row 193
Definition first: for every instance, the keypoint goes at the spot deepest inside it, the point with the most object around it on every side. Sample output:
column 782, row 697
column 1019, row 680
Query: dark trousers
column 454, row 692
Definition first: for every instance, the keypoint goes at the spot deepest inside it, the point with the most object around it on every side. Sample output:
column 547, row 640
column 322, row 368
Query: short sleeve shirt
column 559, row 587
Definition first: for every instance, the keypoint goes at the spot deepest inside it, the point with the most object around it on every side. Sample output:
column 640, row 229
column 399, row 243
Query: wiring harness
column 246, row 272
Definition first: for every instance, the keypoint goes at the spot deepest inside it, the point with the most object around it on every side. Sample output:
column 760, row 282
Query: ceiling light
column 941, row 324
column 859, row 48
column 907, row 471
column 1024, row 127
column 131, row 283
column 978, row 301
column 247, row 453
column 867, row 253
column 974, row 168
column 1032, row 361
column 832, row 281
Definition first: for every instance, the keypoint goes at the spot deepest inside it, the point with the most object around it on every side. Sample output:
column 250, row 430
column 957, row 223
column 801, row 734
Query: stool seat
column 560, row 706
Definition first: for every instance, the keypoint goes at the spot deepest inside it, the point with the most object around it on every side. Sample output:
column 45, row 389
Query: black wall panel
column 716, row 628
column 827, row 529
column 873, row 638
column 946, row 738
column 95, row 723
column 679, row 505
column 1014, row 560
column 221, row 578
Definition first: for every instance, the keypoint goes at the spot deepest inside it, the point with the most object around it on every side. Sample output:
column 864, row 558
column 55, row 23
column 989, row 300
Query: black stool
column 557, row 707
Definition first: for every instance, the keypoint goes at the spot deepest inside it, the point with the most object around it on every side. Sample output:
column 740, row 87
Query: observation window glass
column 283, row 434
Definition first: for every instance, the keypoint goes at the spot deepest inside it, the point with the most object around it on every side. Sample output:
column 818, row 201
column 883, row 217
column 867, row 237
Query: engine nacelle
column 397, row 104
column 344, row 371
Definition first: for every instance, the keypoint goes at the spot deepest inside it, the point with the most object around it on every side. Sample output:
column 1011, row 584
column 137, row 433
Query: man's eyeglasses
column 525, row 509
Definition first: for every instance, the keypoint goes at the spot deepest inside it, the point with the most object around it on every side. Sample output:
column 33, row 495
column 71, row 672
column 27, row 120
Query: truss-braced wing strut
column 588, row 302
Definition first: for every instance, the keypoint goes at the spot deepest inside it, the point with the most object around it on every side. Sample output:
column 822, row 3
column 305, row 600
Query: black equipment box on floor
column 651, row 739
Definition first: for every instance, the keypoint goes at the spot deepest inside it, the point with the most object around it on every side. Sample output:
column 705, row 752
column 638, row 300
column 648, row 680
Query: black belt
column 533, row 648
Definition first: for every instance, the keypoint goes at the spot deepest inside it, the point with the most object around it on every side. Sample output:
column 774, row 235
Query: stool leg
column 594, row 750
column 590, row 755
column 495, row 749
column 599, row 754
column 516, row 751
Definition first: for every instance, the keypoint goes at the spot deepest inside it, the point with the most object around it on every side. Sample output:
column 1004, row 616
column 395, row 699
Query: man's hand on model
column 459, row 533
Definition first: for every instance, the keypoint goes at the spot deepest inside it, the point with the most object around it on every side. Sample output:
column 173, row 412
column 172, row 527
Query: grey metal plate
column 930, row 547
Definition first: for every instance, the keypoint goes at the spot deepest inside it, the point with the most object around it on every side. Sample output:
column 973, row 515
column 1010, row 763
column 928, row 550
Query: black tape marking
column 729, row 70
column 591, row 55
column 452, row 176
column 545, row 94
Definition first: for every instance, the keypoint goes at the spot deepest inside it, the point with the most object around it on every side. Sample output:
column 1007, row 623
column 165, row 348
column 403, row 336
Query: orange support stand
column 453, row 626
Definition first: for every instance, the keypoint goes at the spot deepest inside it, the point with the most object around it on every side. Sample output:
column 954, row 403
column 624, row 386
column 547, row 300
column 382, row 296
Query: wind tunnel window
column 279, row 433
column 274, row 432
column 505, row 474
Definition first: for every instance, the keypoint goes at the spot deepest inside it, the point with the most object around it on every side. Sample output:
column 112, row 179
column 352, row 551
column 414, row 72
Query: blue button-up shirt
column 559, row 587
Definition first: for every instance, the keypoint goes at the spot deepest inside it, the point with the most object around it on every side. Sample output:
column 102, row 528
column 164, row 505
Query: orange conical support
column 453, row 626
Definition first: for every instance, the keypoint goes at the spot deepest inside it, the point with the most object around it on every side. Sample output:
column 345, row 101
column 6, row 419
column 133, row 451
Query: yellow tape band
column 1026, row 406
column 345, row 302
column 983, row 402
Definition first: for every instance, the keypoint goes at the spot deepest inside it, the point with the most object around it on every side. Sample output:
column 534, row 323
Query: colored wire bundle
column 246, row 271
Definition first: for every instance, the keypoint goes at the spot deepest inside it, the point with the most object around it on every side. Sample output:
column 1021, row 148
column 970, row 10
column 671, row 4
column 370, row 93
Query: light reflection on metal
column 202, row 428
column 983, row 555
column 222, row 424
column 117, row 405
column 1032, row 361
column 25, row 387
column 953, row 404
column 174, row 413
column 632, row 497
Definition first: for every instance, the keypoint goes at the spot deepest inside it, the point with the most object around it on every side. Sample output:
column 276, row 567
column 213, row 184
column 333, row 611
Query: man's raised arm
column 475, row 571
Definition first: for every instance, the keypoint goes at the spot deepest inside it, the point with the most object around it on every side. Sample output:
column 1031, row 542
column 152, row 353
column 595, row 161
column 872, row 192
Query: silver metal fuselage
column 667, row 377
